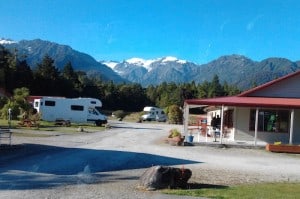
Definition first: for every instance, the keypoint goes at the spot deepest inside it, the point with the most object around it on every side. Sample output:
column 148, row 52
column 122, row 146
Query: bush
column 119, row 114
column 175, row 114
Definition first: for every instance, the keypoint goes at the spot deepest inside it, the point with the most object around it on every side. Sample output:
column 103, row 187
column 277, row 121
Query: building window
column 77, row 108
column 270, row 120
column 49, row 103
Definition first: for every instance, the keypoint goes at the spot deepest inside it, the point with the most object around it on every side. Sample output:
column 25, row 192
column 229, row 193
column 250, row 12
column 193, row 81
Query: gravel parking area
column 108, row 164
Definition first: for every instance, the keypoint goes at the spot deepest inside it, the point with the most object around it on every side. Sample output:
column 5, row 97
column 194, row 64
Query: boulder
column 161, row 177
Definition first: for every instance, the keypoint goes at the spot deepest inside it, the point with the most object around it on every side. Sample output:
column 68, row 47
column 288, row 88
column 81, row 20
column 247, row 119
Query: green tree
column 175, row 114
column 47, row 78
column 23, row 75
column 46, row 69
column 215, row 89
column 203, row 90
column 18, row 104
column 7, row 67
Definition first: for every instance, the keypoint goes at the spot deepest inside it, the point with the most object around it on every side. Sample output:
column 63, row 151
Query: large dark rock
column 160, row 177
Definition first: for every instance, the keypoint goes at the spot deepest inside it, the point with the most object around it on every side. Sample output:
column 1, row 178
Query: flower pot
column 190, row 138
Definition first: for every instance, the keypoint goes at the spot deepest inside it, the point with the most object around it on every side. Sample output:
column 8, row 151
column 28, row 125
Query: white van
column 70, row 109
column 154, row 114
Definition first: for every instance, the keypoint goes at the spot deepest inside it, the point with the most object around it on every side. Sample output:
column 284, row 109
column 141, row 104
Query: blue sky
column 194, row 30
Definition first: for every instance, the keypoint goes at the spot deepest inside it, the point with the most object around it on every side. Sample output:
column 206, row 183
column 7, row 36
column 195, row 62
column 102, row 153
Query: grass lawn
column 264, row 191
column 50, row 126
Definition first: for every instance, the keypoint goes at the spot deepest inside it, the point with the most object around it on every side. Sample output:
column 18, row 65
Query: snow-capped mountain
column 6, row 41
column 153, row 71
column 234, row 69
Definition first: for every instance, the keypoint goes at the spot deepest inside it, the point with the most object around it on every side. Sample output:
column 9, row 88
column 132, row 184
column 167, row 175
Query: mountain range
column 35, row 50
column 234, row 69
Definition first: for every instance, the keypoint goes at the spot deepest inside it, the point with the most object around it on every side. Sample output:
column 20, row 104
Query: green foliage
column 175, row 114
column 46, row 69
column 18, row 104
column 119, row 114
column 15, row 111
column 174, row 133
column 47, row 80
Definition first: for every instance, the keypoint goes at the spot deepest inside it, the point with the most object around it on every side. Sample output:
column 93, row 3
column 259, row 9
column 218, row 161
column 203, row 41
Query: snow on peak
column 141, row 62
column 136, row 61
column 110, row 64
column 7, row 41
column 173, row 59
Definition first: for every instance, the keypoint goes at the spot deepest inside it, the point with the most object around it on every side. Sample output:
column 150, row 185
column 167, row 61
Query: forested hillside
column 47, row 80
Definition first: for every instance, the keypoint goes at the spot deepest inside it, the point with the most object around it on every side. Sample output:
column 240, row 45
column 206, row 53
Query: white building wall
column 286, row 88
column 242, row 125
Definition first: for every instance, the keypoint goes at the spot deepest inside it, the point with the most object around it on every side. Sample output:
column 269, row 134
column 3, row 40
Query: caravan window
column 93, row 102
column 49, row 103
column 93, row 111
column 36, row 104
column 77, row 108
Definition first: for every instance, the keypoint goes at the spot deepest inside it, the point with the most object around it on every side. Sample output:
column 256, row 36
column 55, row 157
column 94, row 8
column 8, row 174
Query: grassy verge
column 265, row 191
column 50, row 126
column 30, row 134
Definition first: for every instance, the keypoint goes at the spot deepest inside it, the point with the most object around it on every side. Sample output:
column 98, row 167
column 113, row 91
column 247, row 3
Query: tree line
column 45, row 79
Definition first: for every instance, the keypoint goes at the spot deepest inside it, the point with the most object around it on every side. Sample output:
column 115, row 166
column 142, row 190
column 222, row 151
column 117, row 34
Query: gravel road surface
column 108, row 164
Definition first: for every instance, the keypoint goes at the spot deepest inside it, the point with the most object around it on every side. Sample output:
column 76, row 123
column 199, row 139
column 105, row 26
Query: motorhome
column 78, row 110
column 154, row 114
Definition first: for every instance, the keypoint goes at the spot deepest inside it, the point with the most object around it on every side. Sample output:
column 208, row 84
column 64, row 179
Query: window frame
column 270, row 120
column 75, row 107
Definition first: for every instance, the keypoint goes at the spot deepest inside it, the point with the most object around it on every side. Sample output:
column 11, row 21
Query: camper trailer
column 77, row 110
column 154, row 114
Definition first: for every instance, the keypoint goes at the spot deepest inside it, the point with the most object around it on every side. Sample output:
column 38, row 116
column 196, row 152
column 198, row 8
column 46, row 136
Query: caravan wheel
column 98, row 123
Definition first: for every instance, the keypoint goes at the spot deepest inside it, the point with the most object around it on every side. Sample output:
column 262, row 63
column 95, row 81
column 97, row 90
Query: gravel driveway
column 108, row 164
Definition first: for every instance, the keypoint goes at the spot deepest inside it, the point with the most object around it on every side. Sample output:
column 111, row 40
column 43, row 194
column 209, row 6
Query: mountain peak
column 173, row 59
column 111, row 64
column 7, row 41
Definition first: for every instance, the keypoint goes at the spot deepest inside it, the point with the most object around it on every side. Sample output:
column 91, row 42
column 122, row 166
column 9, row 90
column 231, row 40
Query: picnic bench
column 28, row 123
column 5, row 133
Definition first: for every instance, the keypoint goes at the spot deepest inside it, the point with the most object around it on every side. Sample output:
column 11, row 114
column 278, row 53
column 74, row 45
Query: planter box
column 175, row 141
column 283, row 148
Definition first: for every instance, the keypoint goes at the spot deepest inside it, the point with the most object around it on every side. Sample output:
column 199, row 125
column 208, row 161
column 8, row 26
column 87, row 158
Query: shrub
column 174, row 114
column 120, row 114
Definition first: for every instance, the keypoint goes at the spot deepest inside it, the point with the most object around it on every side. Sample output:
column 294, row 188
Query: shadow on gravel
column 40, row 166
column 205, row 186
column 128, row 127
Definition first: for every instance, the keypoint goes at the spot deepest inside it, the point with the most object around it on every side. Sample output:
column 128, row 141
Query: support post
column 292, row 126
column 256, row 127
column 221, row 127
column 185, row 119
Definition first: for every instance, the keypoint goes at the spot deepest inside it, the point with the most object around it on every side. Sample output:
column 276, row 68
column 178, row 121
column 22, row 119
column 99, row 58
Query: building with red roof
column 268, row 113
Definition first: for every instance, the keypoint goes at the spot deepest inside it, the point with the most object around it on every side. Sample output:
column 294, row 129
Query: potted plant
column 175, row 137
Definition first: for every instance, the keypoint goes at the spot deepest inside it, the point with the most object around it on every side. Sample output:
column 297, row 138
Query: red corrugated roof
column 248, row 102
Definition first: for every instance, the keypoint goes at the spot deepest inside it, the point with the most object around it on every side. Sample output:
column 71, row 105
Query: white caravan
column 154, row 113
column 70, row 109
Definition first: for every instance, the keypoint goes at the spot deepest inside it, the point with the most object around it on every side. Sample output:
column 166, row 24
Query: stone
column 161, row 177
